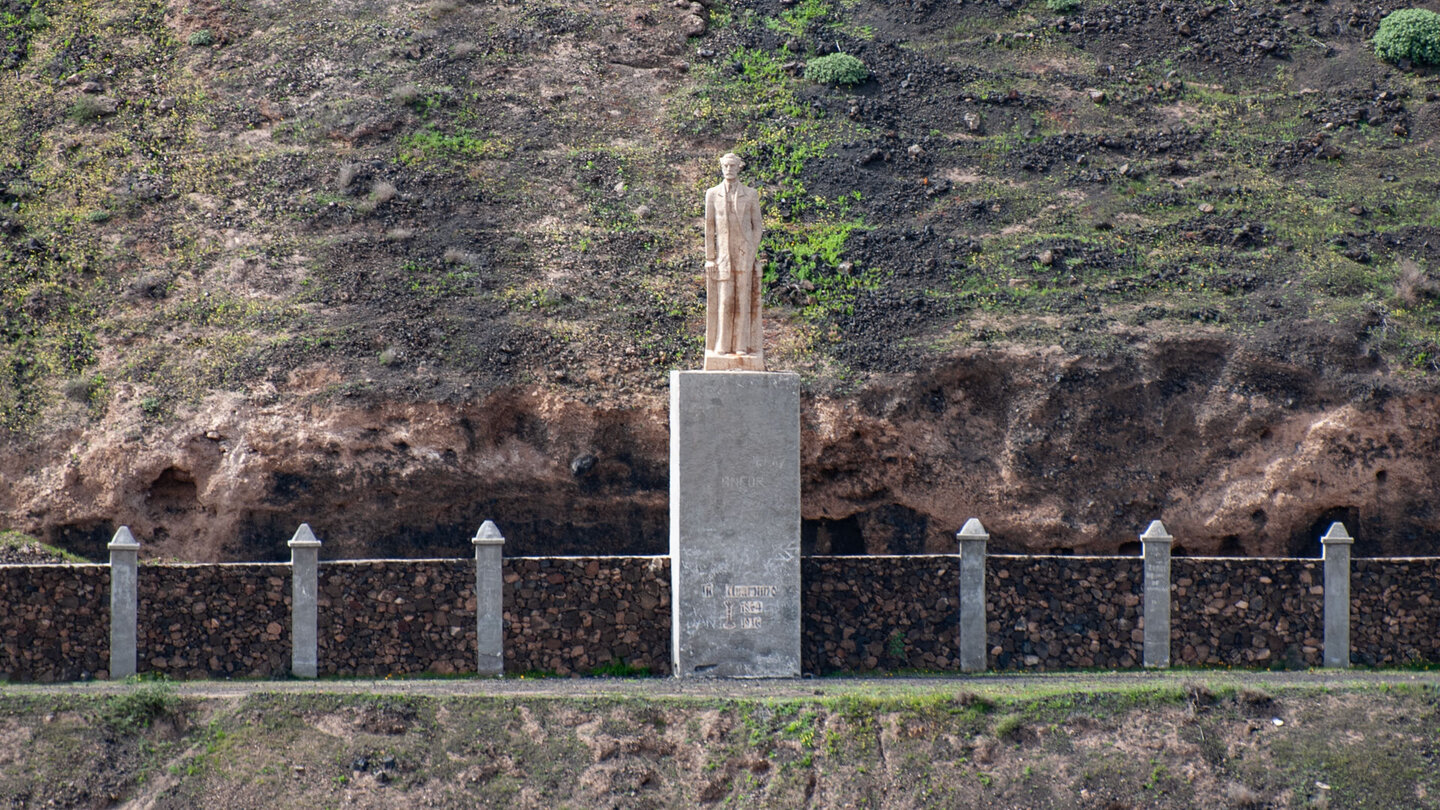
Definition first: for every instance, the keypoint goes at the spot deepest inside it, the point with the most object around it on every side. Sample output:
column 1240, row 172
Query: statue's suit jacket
column 729, row 258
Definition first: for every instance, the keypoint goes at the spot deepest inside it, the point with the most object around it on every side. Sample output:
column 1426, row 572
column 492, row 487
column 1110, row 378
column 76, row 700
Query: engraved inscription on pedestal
column 735, row 524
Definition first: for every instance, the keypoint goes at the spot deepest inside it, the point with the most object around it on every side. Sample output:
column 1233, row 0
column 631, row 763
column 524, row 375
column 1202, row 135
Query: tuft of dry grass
column 440, row 8
column 347, row 176
column 380, row 193
column 1415, row 286
column 405, row 94
column 1241, row 796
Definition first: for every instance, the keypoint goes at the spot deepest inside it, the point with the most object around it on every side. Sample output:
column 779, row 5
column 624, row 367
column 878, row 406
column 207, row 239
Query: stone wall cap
column 123, row 541
column 488, row 535
column 972, row 530
column 304, row 538
column 1155, row 533
column 1337, row 534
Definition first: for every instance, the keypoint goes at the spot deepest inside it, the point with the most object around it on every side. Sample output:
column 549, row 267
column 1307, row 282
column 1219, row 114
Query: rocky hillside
column 393, row 269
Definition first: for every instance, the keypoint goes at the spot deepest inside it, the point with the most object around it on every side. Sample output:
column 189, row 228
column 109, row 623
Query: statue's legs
column 741, row 314
column 725, row 333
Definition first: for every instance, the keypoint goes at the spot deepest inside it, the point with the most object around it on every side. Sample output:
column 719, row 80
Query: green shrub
column 836, row 68
column 78, row 389
column 1410, row 33
column 1009, row 726
column 202, row 38
column 91, row 108
column 1062, row 6
column 132, row 711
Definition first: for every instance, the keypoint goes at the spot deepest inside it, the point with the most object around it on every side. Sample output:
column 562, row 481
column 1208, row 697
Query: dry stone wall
column 869, row 613
column 55, row 622
column 1395, row 611
column 1047, row 613
column 563, row 615
column 571, row 615
column 395, row 617
column 213, row 621
column 1247, row 612
column 577, row 615
column 866, row 613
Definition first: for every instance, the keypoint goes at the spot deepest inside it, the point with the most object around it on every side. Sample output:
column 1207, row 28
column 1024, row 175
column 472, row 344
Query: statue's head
column 730, row 165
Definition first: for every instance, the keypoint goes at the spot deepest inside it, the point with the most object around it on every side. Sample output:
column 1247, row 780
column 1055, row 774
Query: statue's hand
column 711, row 268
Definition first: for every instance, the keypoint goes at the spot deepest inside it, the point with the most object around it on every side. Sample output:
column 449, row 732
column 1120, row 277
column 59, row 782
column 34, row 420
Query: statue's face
column 729, row 169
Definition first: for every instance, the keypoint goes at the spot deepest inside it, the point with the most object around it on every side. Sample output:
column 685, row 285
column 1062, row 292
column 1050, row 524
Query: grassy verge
column 1182, row 740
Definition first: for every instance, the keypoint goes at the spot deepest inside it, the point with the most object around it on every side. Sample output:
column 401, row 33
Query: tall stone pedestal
column 735, row 524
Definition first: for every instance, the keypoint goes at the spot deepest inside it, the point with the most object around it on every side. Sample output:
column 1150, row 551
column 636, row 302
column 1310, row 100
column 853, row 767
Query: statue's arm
column 710, row 254
column 756, row 220
column 756, row 225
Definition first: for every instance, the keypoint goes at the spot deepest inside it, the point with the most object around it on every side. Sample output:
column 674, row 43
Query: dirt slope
column 592, row 744
column 396, row 269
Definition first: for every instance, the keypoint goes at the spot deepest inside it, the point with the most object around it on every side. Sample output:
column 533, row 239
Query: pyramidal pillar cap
column 972, row 530
column 304, row 538
column 123, row 540
column 1155, row 533
column 1337, row 534
column 488, row 535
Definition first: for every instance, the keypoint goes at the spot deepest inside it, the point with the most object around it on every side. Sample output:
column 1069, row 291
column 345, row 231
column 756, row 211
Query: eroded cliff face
column 1237, row 453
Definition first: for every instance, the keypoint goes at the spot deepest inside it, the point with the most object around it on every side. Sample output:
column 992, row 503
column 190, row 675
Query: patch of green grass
column 814, row 249
column 805, row 233
column 1008, row 726
column 781, row 134
column 429, row 144
column 797, row 20
column 617, row 668
column 17, row 27
column 13, row 538
column 424, row 281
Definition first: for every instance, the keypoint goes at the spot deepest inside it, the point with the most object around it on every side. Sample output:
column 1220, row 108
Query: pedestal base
column 714, row 361
column 735, row 524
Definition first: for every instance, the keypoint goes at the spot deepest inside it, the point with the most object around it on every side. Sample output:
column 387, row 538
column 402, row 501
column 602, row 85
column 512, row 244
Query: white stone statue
column 733, row 334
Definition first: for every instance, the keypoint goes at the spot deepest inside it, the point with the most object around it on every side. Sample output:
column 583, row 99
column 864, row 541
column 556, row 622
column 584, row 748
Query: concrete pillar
column 972, row 539
column 124, row 563
column 1156, row 544
column 489, row 601
column 304, row 607
column 1336, row 544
